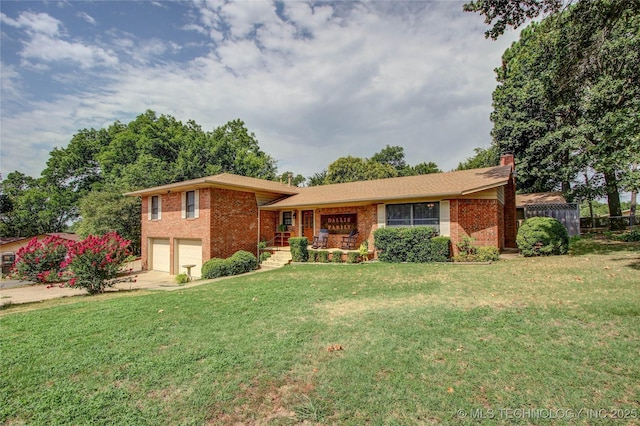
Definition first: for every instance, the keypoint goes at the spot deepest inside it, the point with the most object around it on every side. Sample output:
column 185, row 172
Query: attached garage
column 160, row 254
column 189, row 252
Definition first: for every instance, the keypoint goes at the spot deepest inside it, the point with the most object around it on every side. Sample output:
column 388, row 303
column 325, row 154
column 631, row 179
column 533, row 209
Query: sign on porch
column 339, row 223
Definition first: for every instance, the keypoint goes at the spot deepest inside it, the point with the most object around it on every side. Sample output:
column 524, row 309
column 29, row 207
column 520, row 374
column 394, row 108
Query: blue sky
column 314, row 81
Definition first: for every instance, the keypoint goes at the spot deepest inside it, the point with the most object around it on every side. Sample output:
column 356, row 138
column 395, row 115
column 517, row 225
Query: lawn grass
column 344, row 344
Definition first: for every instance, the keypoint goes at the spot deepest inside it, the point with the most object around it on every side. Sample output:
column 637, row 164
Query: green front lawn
column 346, row 344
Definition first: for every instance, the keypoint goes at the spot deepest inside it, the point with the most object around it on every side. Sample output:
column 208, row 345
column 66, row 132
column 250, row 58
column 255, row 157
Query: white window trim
column 150, row 207
column 196, row 202
column 445, row 218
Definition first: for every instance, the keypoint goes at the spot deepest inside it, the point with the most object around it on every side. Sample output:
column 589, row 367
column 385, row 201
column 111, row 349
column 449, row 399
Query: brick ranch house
column 192, row 221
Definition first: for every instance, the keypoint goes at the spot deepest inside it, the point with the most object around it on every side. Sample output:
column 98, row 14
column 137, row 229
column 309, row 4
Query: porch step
column 277, row 260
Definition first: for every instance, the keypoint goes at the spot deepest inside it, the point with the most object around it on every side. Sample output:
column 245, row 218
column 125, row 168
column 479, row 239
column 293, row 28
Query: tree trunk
column 632, row 214
column 613, row 198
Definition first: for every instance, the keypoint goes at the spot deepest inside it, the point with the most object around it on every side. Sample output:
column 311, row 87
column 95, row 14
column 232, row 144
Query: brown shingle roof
column 224, row 180
column 540, row 198
column 447, row 184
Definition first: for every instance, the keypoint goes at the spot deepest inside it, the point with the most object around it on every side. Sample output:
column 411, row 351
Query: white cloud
column 38, row 23
column 87, row 18
column 45, row 45
column 48, row 49
column 329, row 81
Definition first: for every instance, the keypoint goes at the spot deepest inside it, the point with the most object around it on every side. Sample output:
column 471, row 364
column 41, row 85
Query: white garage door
column 160, row 255
column 189, row 252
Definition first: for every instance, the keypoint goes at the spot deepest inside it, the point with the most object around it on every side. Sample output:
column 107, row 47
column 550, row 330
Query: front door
column 307, row 224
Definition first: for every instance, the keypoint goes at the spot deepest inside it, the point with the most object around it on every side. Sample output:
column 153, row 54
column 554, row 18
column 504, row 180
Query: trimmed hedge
column 418, row 245
column 312, row 255
column 322, row 256
column 298, row 246
column 214, row 268
column 353, row 257
column 336, row 256
column 239, row 263
column 542, row 236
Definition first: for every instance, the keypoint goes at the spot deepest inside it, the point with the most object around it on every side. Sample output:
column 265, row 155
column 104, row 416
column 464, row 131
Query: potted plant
column 282, row 227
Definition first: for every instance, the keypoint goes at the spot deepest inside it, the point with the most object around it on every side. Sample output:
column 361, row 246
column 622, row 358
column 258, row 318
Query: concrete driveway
column 15, row 292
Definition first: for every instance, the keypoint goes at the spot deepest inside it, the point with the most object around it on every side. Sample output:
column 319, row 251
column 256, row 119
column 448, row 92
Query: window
column 191, row 204
column 155, row 207
column 287, row 218
column 417, row 214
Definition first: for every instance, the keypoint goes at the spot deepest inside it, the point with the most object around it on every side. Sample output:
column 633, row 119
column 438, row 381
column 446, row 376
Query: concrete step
column 277, row 260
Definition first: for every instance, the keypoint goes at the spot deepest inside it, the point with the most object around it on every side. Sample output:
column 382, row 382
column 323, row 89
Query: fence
column 608, row 223
column 566, row 213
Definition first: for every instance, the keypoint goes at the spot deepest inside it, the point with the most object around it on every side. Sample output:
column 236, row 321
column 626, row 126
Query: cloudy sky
column 314, row 81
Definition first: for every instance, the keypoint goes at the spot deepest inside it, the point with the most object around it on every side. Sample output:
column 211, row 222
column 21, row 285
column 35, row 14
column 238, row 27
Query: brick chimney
column 507, row 159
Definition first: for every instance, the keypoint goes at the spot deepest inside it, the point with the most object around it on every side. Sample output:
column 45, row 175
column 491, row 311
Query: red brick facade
column 510, row 220
column 367, row 223
column 482, row 220
column 229, row 220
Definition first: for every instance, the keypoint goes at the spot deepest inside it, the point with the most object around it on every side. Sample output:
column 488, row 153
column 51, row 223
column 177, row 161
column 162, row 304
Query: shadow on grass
column 596, row 246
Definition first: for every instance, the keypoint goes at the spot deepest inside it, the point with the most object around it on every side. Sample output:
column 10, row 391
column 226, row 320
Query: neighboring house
column 187, row 223
column 9, row 246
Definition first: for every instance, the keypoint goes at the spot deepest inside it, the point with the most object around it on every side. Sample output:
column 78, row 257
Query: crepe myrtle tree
column 96, row 262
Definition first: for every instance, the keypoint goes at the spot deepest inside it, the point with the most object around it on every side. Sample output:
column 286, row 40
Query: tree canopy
column 86, row 179
column 567, row 102
column 387, row 163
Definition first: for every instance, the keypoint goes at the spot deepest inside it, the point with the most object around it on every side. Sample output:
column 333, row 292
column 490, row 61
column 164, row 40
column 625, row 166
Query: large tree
column 85, row 179
column 387, row 163
column 567, row 103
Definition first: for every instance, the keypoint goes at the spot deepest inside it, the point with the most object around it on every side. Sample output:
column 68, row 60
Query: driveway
column 15, row 292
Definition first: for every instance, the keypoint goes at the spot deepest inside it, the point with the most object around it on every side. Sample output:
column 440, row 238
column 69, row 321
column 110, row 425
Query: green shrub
column 182, row 279
column 336, row 256
column 214, row 268
column 298, row 246
column 312, row 255
column 322, row 256
column 440, row 249
column 353, row 257
column 479, row 254
column 542, row 236
column 418, row 244
column 242, row 261
column 487, row 254
column 239, row 263
column 630, row 237
column 264, row 256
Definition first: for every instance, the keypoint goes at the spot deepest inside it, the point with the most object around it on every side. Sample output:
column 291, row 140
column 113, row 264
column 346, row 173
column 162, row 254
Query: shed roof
column 540, row 198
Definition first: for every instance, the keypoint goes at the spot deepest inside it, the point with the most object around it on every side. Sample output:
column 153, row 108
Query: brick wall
column 479, row 219
column 227, row 222
column 269, row 221
column 234, row 222
column 510, row 220
column 367, row 222
column 173, row 226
